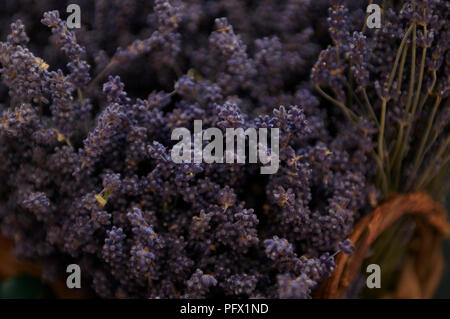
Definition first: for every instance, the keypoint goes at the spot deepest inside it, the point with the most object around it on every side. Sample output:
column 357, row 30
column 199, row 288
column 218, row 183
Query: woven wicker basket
column 423, row 266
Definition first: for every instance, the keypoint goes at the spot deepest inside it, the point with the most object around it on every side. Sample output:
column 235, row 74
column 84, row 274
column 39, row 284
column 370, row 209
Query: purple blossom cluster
column 85, row 128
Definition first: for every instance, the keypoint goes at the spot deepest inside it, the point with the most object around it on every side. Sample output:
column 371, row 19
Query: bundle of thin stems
column 412, row 173
column 397, row 172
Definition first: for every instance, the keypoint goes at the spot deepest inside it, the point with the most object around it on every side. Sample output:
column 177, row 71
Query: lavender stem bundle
column 405, row 99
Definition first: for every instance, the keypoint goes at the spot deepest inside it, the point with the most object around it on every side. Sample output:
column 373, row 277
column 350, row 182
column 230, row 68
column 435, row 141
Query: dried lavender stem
column 102, row 74
column 353, row 94
column 404, row 142
column 419, row 155
column 401, row 124
column 381, row 174
column 422, row 68
column 402, row 67
column 381, row 133
column 348, row 113
column 400, row 75
column 430, row 89
column 370, row 107
column 80, row 96
column 430, row 144
column 397, row 57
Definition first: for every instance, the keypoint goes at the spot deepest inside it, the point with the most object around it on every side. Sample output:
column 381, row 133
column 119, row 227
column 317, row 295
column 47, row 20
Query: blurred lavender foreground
column 86, row 118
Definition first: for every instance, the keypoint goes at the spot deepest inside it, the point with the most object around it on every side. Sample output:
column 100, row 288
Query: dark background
column 444, row 287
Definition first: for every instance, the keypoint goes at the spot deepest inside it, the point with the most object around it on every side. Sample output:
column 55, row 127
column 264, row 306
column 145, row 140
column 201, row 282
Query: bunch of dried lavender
column 87, row 173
